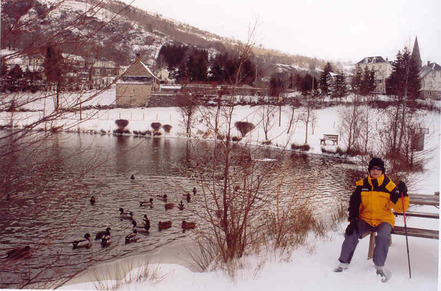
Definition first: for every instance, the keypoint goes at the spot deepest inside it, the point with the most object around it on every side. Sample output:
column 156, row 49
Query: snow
column 310, row 266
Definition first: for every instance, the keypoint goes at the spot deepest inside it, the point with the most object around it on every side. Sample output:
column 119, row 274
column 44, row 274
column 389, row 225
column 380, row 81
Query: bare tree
column 307, row 116
column 268, row 113
column 188, row 106
column 231, row 186
column 351, row 125
column 28, row 151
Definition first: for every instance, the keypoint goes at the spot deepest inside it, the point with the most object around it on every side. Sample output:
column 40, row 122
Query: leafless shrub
column 156, row 126
column 167, row 128
column 244, row 127
column 122, row 123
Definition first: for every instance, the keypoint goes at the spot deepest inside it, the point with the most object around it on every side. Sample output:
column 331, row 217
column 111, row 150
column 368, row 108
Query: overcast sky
column 346, row 30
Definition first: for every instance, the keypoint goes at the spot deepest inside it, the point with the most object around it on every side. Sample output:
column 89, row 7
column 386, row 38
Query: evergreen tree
column 276, row 85
column 404, row 81
column 218, row 71
column 367, row 82
column 356, row 82
column 248, row 73
column 53, row 65
column 173, row 55
column 308, row 84
column 339, row 89
column 326, row 79
column 197, row 65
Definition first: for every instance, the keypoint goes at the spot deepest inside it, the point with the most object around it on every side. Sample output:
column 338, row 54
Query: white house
column 382, row 70
column 430, row 75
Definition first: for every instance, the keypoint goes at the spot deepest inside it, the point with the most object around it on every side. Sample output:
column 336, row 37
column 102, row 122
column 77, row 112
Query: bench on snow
column 399, row 230
column 331, row 137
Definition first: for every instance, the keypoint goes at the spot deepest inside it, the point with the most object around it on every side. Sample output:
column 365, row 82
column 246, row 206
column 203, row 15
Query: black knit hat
column 376, row 162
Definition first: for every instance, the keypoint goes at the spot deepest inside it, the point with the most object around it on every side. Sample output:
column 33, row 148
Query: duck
column 188, row 225
column 181, row 205
column 146, row 222
column 19, row 253
column 194, row 191
column 132, row 237
column 140, row 229
column 188, row 197
column 100, row 234
column 163, row 197
column 106, row 241
column 125, row 215
column 147, row 203
column 132, row 177
column 92, row 200
column 169, row 206
column 82, row 243
column 164, row 225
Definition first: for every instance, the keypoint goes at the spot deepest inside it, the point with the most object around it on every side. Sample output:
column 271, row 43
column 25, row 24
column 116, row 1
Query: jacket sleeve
column 354, row 204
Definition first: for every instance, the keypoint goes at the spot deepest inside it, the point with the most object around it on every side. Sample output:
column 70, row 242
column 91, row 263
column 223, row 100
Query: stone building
column 136, row 85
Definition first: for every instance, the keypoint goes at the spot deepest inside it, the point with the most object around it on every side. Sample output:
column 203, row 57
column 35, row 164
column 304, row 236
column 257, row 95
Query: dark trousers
column 381, row 242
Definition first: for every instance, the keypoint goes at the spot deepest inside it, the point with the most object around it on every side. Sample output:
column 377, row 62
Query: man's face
column 375, row 172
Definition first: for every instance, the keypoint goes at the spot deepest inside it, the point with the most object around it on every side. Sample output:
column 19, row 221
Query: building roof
column 138, row 68
column 371, row 60
column 430, row 67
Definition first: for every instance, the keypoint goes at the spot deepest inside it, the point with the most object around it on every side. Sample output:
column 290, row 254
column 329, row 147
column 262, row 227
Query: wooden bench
column 418, row 232
column 331, row 137
column 399, row 230
column 419, row 214
column 421, row 199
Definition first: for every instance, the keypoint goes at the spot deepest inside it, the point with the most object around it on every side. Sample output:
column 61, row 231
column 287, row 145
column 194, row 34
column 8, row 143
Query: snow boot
column 341, row 267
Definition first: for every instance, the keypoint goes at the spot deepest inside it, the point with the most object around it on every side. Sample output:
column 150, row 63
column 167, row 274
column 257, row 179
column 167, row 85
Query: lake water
column 49, row 215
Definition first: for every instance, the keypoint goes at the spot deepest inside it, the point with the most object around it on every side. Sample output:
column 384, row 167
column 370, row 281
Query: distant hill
column 110, row 29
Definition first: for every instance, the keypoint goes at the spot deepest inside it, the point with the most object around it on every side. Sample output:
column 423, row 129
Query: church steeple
column 416, row 53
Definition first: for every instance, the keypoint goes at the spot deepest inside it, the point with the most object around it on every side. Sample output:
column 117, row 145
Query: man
column 370, row 209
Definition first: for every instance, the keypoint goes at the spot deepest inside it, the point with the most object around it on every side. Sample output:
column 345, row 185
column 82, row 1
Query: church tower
column 416, row 54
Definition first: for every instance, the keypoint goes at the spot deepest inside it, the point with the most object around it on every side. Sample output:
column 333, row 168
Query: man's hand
column 396, row 194
column 353, row 226
column 402, row 188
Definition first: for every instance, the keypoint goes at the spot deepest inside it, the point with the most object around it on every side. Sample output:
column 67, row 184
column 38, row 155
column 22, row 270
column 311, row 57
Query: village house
column 103, row 72
column 382, row 70
column 136, row 85
column 430, row 75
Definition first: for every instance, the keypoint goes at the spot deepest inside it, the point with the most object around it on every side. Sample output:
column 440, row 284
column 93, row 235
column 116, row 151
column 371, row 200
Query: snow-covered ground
column 310, row 266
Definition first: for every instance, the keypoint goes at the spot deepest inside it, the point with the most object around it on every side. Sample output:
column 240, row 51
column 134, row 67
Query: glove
column 402, row 188
column 351, row 227
column 396, row 194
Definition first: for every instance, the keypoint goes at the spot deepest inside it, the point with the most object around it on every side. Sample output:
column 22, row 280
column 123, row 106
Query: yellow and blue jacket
column 371, row 201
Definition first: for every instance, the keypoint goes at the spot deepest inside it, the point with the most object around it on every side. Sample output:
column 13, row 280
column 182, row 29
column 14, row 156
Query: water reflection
column 101, row 166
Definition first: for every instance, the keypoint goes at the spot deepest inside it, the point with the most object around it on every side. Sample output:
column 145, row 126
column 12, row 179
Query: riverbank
column 175, row 253
column 308, row 268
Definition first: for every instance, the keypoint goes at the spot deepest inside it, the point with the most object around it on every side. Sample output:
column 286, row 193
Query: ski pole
column 405, row 233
